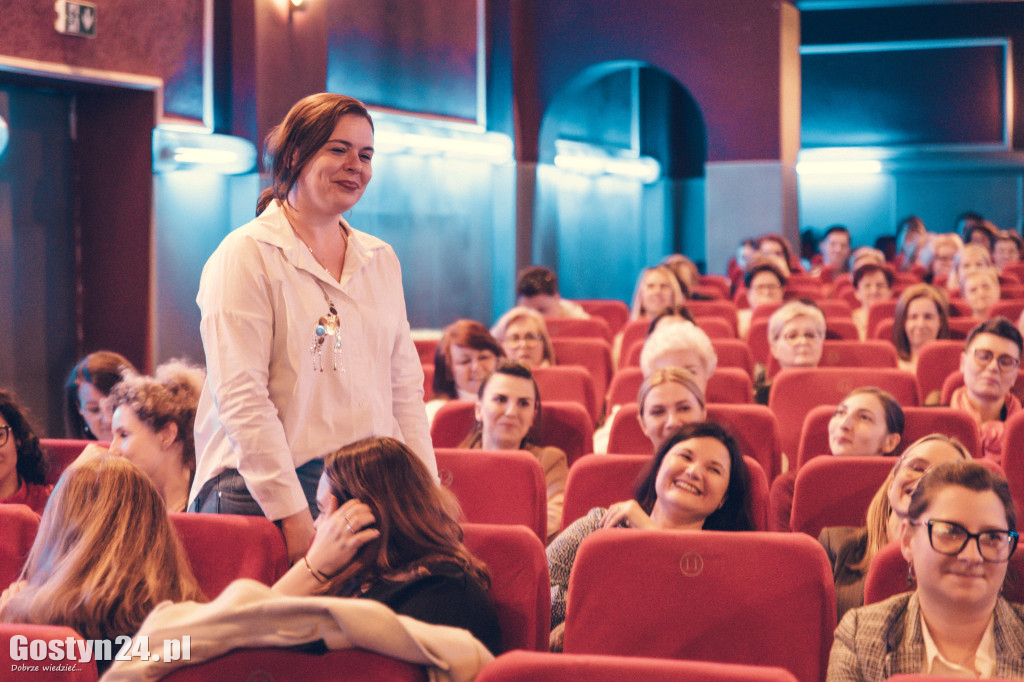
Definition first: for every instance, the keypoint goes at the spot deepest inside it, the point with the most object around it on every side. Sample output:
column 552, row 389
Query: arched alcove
column 600, row 228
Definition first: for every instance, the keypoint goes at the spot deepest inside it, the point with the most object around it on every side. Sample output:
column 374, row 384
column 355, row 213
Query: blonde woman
column 524, row 337
column 104, row 556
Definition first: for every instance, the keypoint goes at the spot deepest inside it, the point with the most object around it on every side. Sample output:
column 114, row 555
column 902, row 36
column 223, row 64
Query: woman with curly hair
column 22, row 466
column 154, row 419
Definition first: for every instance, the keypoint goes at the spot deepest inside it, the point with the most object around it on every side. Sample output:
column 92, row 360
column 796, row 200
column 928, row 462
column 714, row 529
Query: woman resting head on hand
column 506, row 411
column 104, row 556
column 154, row 420
column 851, row 549
column 697, row 480
column 386, row 531
column 958, row 536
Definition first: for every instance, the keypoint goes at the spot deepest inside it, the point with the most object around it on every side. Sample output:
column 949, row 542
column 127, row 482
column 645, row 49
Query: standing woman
column 305, row 331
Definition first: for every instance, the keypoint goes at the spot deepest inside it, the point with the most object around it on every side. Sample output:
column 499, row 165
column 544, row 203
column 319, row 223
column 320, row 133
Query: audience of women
column 868, row 422
column 656, row 289
column 696, row 480
column 958, row 536
column 980, row 288
column 387, row 532
column 465, row 355
column 104, row 556
column 87, row 414
column 154, row 419
column 22, row 464
column 922, row 315
column 508, row 407
column 304, row 328
column 796, row 338
column 524, row 337
column 765, row 281
column 850, row 550
column 989, row 363
column 872, row 284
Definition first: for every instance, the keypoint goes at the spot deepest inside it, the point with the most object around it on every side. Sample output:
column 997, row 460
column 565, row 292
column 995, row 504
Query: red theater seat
column 81, row 672
column 358, row 665
column 18, row 526
column 595, row 327
column 498, row 487
column 771, row 592
column 60, row 452
column 568, row 383
column 594, row 355
column 615, row 313
column 836, row 491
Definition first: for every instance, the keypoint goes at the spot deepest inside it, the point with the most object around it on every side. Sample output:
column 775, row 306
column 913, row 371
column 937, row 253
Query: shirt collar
column 984, row 658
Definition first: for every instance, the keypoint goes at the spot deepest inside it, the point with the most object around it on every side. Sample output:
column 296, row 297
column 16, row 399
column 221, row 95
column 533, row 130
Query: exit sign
column 76, row 18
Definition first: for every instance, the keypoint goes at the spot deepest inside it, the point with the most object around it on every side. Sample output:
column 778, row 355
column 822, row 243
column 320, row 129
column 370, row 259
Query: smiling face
column 656, row 293
column 872, row 288
column 667, row 407
column 987, row 381
column 470, row 367
column 95, row 410
column 692, row 480
column 858, row 428
column 524, row 341
column 965, row 582
column 913, row 465
column 799, row 344
column 506, row 411
column 923, row 322
column 334, row 179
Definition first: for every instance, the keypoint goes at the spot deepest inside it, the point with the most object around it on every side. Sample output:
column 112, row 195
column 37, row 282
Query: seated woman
column 958, row 536
column 465, row 355
column 388, row 532
column 22, row 465
column 872, row 283
column 911, row 236
column 154, row 423
column 668, row 400
column 1006, row 249
column 851, row 549
column 656, row 289
column 775, row 245
column 971, row 258
column 524, row 337
column 104, row 556
column 980, row 288
column 87, row 415
column 765, row 281
column 868, row 422
column 938, row 257
column 922, row 315
column 697, row 480
column 796, row 337
column 508, row 407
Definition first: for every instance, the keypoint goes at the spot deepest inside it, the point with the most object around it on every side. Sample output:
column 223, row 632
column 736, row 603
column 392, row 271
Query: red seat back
column 795, row 392
column 635, row 330
column 842, row 353
column 1010, row 308
column 426, row 348
column 727, row 385
column 836, row 491
column 615, row 313
column 595, row 327
column 731, row 352
column 563, row 425
column 60, row 452
column 257, row 549
column 359, row 665
column 520, row 589
column 882, row 310
column 18, row 526
column 935, row 361
column 682, row 585
column 1013, row 456
column 516, row 666
column 497, row 487
column 594, row 355
column 568, row 383
column 919, row 421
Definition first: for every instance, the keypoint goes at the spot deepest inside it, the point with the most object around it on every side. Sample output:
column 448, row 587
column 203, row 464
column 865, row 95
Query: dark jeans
column 226, row 493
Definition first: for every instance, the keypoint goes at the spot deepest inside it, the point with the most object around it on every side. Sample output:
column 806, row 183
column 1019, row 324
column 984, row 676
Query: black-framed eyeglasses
column 5, row 434
column 946, row 537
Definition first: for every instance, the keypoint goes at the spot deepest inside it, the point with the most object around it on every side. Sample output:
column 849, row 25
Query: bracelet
column 317, row 575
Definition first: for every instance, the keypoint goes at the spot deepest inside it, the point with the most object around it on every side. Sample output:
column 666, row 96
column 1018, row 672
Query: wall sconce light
column 592, row 160
column 177, row 149
column 5, row 135
column 297, row 5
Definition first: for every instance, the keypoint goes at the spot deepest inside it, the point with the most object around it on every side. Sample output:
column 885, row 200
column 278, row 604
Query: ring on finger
column 348, row 526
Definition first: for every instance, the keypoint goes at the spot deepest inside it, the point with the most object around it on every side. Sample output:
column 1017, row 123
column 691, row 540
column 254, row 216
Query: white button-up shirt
column 265, row 410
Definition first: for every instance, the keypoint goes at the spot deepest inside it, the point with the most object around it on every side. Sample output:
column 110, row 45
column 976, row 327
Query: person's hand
column 12, row 590
column 626, row 513
column 340, row 535
column 298, row 533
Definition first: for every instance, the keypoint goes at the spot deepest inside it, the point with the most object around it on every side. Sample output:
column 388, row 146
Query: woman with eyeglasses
column 958, row 536
column 524, row 337
column 22, row 467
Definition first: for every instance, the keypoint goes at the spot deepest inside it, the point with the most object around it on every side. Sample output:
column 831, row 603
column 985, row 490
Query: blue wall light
column 176, row 148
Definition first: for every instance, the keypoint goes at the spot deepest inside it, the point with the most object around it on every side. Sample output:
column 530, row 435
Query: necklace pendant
column 316, row 348
column 337, row 351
